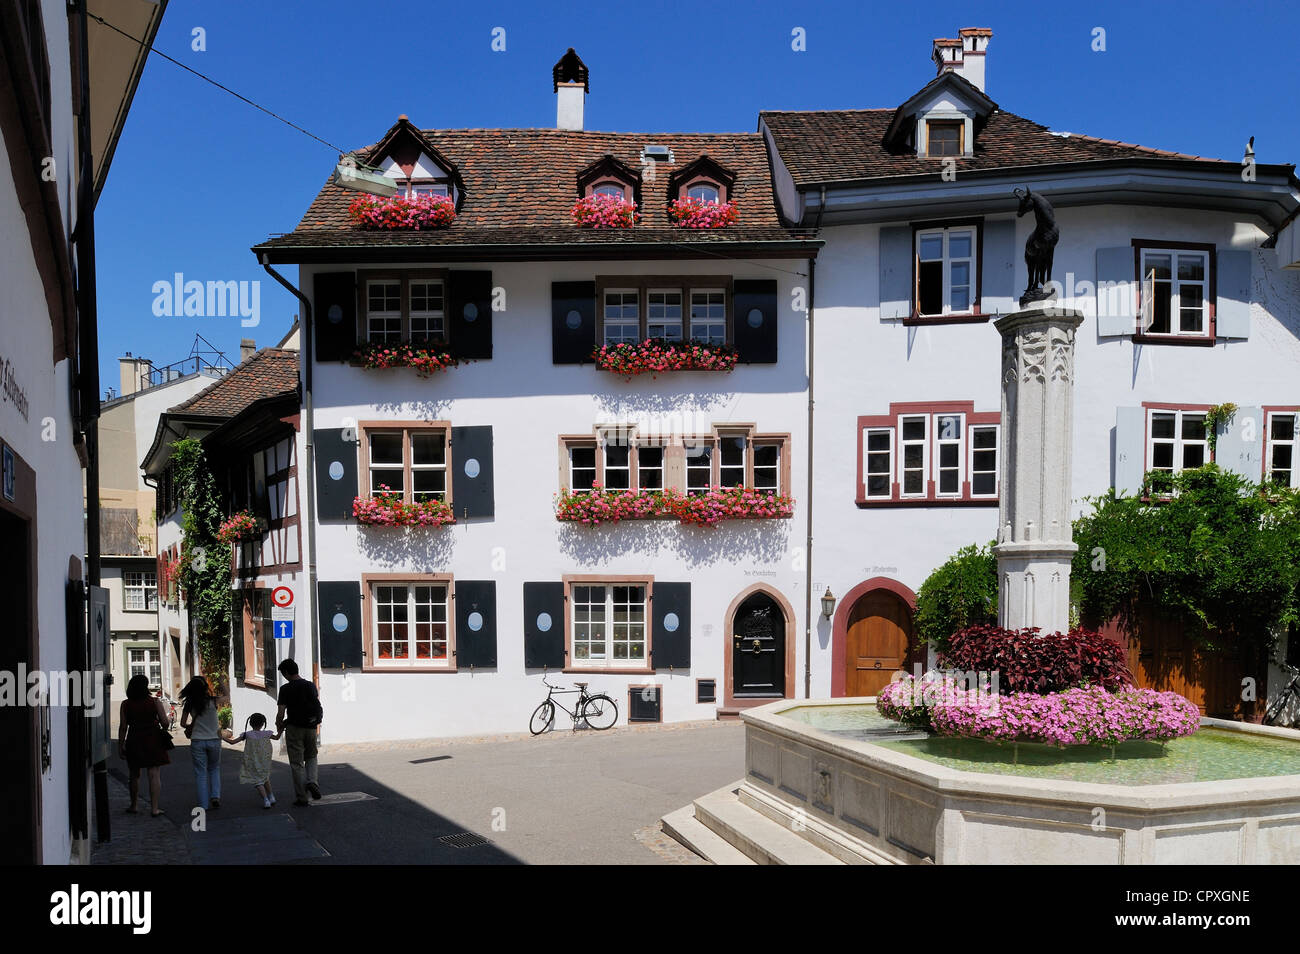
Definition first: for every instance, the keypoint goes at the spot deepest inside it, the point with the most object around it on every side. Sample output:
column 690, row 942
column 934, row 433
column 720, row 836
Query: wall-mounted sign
column 9, row 389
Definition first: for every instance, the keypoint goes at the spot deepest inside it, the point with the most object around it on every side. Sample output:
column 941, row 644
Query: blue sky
column 199, row 176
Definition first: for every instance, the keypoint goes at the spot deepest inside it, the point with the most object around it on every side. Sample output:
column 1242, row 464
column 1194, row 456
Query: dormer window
column 702, row 179
column 414, row 165
column 609, row 176
column 615, row 189
column 428, row 188
column 944, row 137
column 704, row 191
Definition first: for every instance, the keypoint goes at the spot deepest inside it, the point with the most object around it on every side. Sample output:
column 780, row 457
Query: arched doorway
column 759, row 650
column 872, row 637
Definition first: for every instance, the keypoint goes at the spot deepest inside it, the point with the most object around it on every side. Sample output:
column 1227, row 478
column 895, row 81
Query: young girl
column 256, row 769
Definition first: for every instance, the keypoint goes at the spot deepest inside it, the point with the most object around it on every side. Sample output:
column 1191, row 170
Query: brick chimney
column 569, row 77
column 964, row 55
column 247, row 347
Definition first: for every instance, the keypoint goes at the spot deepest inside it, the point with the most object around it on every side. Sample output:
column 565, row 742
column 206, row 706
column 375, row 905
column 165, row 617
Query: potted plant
column 688, row 213
column 599, row 211
column 419, row 212
column 239, row 527
column 655, row 356
column 388, row 508
column 426, row 357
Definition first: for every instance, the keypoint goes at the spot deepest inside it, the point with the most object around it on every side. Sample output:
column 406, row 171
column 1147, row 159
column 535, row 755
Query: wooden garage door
column 879, row 632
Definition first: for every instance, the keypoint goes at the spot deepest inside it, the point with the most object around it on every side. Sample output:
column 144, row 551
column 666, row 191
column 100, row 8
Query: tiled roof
column 843, row 145
column 521, row 183
column 268, row 373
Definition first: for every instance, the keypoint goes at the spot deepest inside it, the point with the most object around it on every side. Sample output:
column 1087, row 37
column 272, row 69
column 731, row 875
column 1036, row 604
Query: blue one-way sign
column 284, row 629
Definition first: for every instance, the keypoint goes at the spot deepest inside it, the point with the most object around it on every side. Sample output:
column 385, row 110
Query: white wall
column 530, row 402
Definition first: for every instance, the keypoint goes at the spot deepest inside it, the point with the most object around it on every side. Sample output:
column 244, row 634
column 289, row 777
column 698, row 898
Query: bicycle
column 1293, row 688
column 169, row 704
column 598, row 711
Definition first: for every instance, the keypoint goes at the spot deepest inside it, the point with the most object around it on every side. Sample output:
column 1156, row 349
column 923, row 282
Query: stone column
column 1035, row 545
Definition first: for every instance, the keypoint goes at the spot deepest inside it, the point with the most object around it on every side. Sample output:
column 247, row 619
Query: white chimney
column 571, row 87
column 964, row 55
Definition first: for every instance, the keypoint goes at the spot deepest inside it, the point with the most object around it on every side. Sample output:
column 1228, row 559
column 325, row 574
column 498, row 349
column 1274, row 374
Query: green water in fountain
column 1208, row 756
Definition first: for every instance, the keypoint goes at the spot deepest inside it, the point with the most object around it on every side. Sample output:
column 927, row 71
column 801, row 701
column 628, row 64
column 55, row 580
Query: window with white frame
column 410, row 624
column 429, row 188
column 731, row 460
column 1178, row 283
column 582, row 468
column 1279, row 461
column 145, row 662
column 384, row 311
column 615, row 189
column 703, row 191
column 622, row 316
column 945, row 271
column 767, row 466
column 427, row 311
column 409, row 461
column 140, row 590
column 1176, row 441
column 937, row 454
column 664, row 314
column 699, row 466
column 709, row 315
column 609, row 625
column 619, row 459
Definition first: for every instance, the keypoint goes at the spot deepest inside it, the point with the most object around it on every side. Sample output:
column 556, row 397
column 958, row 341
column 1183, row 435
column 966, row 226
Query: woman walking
column 142, row 726
column 199, row 720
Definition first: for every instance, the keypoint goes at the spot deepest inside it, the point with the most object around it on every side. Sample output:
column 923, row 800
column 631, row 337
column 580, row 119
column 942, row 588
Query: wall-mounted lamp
column 828, row 603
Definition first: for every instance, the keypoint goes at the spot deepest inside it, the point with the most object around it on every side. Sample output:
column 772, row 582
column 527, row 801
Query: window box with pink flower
column 389, row 508
column 426, row 358
column 416, row 213
column 657, row 356
column 604, row 211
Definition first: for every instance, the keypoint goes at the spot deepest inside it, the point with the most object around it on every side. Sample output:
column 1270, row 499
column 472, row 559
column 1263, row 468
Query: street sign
column 283, row 629
column 282, row 620
column 282, row 597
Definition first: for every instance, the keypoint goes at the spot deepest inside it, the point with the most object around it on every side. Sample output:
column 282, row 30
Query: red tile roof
column 842, row 145
column 268, row 373
column 521, row 183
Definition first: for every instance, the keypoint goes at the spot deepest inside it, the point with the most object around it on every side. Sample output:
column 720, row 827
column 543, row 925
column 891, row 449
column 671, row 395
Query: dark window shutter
column 334, row 314
column 236, row 632
column 671, row 612
column 471, row 478
column 476, row 623
column 895, row 271
column 573, row 322
column 754, row 320
column 469, row 310
column 644, row 704
column 339, row 612
column 336, row 473
column 544, row 625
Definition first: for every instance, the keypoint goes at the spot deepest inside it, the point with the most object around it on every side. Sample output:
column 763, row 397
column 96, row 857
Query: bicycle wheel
column 1275, row 710
column 542, row 718
column 600, row 712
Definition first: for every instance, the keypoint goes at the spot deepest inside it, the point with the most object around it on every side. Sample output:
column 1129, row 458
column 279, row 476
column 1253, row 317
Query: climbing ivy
column 1216, row 416
column 205, row 563
column 1208, row 547
column 963, row 592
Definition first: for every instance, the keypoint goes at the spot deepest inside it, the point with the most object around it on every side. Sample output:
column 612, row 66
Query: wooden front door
column 758, row 649
column 877, row 640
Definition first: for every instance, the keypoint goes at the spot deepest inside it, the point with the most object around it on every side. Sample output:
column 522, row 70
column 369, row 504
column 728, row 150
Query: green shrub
column 961, row 593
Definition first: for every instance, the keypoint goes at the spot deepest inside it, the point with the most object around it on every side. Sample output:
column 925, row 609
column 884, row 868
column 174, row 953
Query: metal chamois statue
column 1039, row 247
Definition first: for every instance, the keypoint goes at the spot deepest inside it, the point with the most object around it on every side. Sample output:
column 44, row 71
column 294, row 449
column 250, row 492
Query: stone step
column 755, row 835
column 690, row 831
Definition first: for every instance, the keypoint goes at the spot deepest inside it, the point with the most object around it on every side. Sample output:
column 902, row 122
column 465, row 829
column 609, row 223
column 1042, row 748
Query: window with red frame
column 929, row 453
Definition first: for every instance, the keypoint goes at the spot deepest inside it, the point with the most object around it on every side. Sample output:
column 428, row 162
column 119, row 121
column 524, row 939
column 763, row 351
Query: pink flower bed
column 388, row 509
column 1084, row 715
column 691, row 213
column 398, row 212
column 599, row 211
column 705, row 510
column 241, row 526
column 656, row 356
column 425, row 360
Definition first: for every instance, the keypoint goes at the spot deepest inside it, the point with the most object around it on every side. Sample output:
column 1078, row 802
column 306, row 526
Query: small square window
column 944, row 137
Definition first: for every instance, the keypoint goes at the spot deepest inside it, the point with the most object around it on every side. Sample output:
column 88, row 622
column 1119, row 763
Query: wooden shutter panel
column 334, row 315
column 267, row 636
column 469, row 314
column 754, row 320
column 1232, row 294
column 1130, row 450
column 998, row 273
column 342, row 643
column 573, row 322
column 336, row 473
column 1240, row 447
column 671, row 629
column 544, row 626
column 476, row 606
column 471, row 478
column 1116, row 292
column 236, row 633
column 895, row 271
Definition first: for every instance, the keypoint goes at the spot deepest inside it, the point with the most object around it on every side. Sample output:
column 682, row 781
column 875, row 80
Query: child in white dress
column 256, row 768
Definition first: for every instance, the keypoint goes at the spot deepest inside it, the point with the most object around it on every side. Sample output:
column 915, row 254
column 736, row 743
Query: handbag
column 167, row 741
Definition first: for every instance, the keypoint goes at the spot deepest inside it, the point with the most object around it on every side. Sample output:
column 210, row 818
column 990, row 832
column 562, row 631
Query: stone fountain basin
column 865, row 803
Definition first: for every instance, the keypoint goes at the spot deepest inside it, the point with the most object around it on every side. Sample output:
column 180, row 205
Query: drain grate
column 464, row 839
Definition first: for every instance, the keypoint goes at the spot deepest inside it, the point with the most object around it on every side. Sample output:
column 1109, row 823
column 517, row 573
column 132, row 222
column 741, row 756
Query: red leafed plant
column 240, row 526
column 1029, row 662
column 424, row 357
column 398, row 212
column 601, row 211
column 656, row 355
column 691, row 213
column 388, row 508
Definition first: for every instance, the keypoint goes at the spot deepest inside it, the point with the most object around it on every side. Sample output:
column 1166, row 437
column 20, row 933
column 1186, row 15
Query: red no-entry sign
column 282, row 597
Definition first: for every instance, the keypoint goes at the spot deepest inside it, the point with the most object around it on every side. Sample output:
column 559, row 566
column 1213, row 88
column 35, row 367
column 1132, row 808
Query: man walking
column 298, row 717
